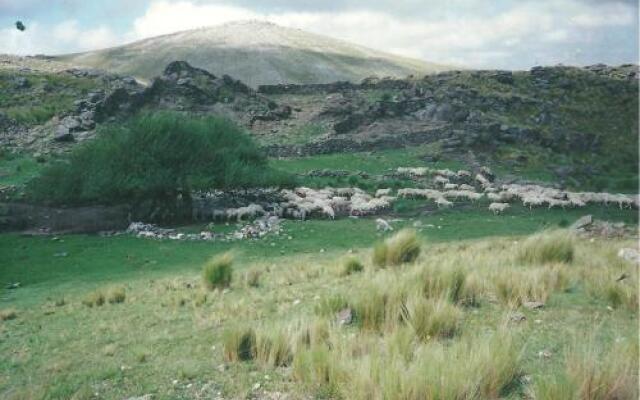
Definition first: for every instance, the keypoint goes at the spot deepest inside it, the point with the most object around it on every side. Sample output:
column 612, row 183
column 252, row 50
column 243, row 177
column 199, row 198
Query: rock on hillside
column 256, row 53
column 181, row 87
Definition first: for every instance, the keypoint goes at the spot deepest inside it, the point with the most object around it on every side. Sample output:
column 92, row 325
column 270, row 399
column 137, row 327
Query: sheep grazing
column 498, row 208
column 464, row 186
column 420, row 193
column 558, row 203
column 250, row 211
column 532, row 201
column 447, row 173
column 440, row 180
column 442, row 202
column 419, row 171
column 450, row 186
column 482, row 180
column 382, row 192
column 463, row 174
column 383, row 226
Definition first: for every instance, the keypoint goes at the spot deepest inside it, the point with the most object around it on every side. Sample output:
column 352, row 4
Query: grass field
column 168, row 336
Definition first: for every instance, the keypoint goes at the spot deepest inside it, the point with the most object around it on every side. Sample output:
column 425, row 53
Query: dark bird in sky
column 20, row 26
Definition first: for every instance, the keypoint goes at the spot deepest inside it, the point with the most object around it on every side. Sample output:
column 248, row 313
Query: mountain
column 255, row 52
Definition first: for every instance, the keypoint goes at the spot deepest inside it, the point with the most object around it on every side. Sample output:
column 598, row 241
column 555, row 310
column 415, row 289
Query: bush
column 239, row 345
column 547, row 247
column 158, row 158
column 401, row 248
column 351, row 265
column 218, row 271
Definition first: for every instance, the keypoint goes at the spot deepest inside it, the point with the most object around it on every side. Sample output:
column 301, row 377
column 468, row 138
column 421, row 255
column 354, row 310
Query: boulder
column 533, row 305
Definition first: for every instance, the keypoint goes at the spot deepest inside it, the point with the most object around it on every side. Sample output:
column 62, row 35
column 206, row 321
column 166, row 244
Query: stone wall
column 20, row 217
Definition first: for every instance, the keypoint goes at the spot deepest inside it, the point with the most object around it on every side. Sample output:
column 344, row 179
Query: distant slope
column 256, row 53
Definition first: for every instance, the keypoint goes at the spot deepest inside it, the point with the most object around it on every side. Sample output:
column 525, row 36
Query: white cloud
column 64, row 37
column 166, row 17
column 466, row 39
column 514, row 35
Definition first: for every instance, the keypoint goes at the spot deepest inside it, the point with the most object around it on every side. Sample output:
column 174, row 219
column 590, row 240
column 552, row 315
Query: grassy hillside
column 169, row 336
column 256, row 53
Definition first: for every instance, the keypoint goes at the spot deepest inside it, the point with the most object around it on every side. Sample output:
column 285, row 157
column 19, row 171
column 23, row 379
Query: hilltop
column 255, row 52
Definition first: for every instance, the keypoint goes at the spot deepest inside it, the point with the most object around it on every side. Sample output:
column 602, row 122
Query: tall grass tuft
column 593, row 373
column 547, row 247
column 218, row 271
column 350, row 266
column 8, row 314
column 95, row 298
column 273, row 349
column 116, row 295
column 432, row 318
column 252, row 277
column 239, row 344
column 401, row 248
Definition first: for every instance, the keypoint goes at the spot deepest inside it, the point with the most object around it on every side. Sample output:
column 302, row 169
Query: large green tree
column 155, row 161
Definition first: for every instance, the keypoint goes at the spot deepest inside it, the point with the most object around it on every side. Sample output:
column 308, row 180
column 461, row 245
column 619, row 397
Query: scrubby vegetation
column 351, row 265
column 34, row 97
column 547, row 248
column 402, row 248
column 454, row 323
column 218, row 271
column 158, row 159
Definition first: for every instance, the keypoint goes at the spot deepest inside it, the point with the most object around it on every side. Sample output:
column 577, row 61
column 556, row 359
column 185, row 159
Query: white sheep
column 498, row 208
column 419, row 171
column 440, row 180
column 250, row 211
column 445, row 172
column 382, row 225
column 450, row 186
column 442, row 202
column 482, row 180
column 382, row 192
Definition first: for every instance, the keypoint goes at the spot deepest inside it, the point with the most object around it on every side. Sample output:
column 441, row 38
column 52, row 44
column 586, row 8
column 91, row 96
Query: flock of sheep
column 446, row 187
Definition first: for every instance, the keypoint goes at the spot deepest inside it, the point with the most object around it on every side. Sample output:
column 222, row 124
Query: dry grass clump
column 514, row 286
column 431, row 318
column 350, row 266
column 547, row 247
column 218, row 271
column 380, row 306
column 239, row 344
column 330, row 305
column 452, row 282
column 252, row 277
column 317, row 369
column 8, row 314
column 592, row 373
column 273, row 348
column 116, row 295
column 95, row 298
column 401, row 248
column 618, row 289
column 395, row 367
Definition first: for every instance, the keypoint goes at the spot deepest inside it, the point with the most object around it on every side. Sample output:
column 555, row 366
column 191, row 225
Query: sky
column 509, row 34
